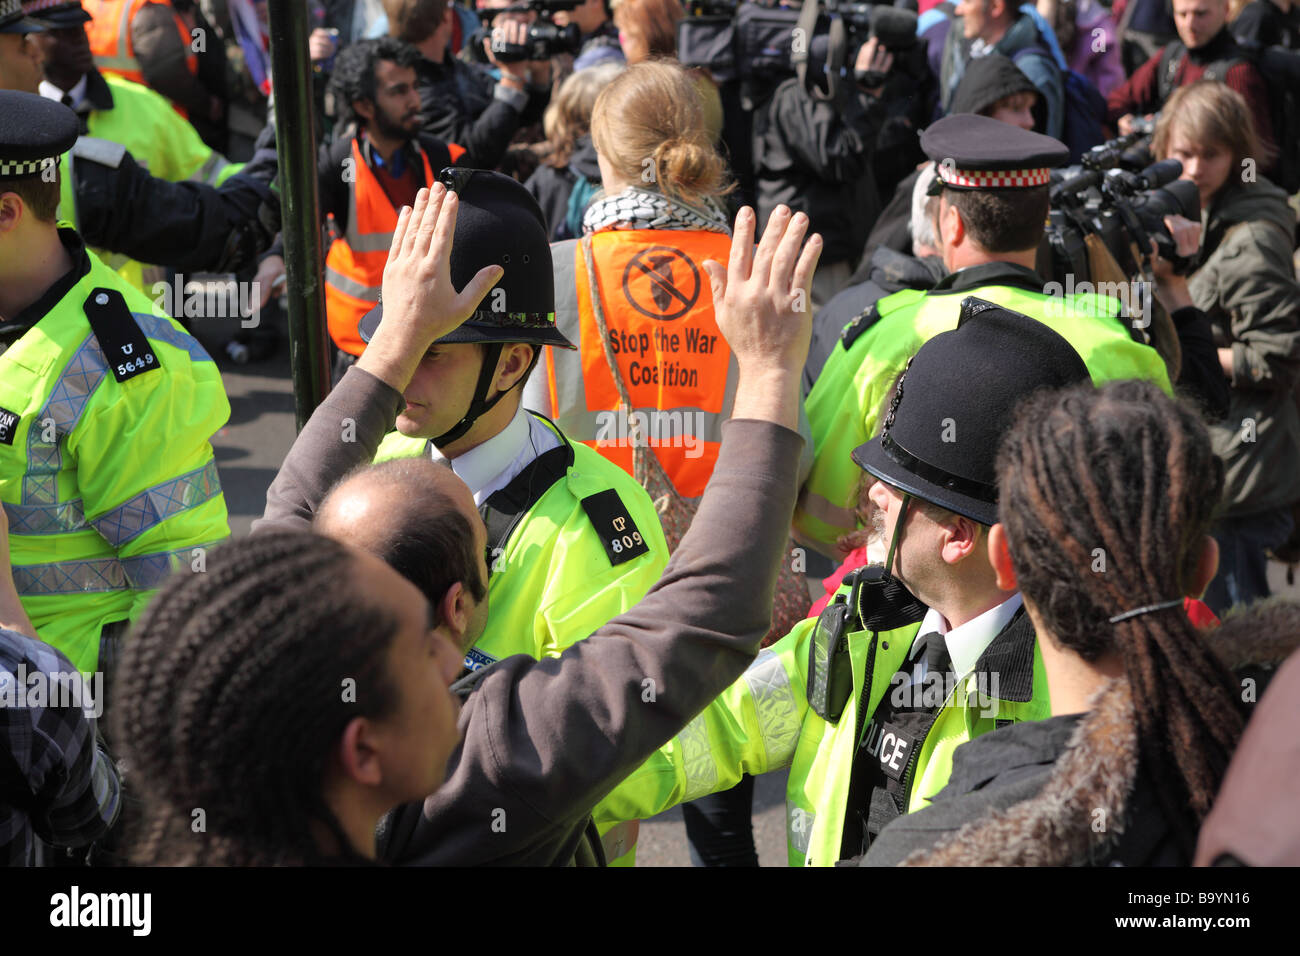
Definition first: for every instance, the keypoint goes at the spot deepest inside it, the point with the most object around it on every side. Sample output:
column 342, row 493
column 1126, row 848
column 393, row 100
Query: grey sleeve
column 345, row 431
column 545, row 740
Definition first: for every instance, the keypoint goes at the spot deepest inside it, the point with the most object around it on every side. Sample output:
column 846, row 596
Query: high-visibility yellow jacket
column 764, row 722
column 845, row 403
column 106, row 472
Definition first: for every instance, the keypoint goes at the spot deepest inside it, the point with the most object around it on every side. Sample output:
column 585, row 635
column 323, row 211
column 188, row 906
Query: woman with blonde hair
column 569, row 175
column 1246, row 284
column 651, row 368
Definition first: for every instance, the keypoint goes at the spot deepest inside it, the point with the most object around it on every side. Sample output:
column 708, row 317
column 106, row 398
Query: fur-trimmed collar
column 1099, row 765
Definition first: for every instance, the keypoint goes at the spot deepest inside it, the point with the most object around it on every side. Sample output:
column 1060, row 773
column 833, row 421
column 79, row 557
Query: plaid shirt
column 55, row 781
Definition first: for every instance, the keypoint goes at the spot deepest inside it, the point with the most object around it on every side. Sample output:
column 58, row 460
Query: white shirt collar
column 489, row 467
column 967, row 642
column 77, row 94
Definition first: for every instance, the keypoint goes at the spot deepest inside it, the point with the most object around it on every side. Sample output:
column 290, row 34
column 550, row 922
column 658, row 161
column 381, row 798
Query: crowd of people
column 701, row 408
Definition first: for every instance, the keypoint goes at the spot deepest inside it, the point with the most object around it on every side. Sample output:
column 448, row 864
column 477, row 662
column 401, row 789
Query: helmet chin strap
column 898, row 533
column 480, row 404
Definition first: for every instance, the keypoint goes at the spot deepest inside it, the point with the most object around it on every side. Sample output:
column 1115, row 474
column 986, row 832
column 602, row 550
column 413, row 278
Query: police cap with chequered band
column 14, row 20
column 979, row 152
column 940, row 437
column 58, row 14
column 498, row 222
column 36, row 131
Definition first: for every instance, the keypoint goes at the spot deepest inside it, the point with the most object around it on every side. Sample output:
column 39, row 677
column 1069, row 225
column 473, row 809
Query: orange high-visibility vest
column 677, row 366
column 109, row 32
column 354, row 268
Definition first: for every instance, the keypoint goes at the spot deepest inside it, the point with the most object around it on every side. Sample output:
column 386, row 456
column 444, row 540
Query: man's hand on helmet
column 420, row 303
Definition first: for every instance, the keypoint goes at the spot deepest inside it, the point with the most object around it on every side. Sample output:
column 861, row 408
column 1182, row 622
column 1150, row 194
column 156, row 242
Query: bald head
column 418, row 517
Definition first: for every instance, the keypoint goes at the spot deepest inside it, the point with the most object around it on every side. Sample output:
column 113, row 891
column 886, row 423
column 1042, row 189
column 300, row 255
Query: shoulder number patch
column 126, row 348
column 8, row 426
column 618, row 532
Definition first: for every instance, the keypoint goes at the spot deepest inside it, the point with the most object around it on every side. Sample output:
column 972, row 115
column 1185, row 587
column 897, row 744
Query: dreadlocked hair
column 1129, row 471
column 232, row 697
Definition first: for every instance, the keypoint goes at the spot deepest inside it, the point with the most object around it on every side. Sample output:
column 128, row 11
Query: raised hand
column 763, row 305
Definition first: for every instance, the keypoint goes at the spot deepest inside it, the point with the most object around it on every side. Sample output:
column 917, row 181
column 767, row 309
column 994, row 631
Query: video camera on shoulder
column 546, row 38
column 1120, row 196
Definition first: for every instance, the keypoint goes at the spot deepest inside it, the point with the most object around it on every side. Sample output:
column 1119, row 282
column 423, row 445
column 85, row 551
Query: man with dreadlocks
column 866, row 704
column 1106, row 501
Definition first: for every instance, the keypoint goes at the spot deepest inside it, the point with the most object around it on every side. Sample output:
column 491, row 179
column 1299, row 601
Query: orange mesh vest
column 354, row 268
column 659, row 310
column 109, row 32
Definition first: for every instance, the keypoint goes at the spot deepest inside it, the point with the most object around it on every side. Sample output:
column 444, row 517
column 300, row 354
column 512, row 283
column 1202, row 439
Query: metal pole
column 295, row 143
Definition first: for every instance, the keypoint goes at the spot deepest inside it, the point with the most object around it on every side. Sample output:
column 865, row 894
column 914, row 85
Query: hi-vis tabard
column 845, row 404
column 354, row 268
column 783, row 712
column 109, row 32
column 106, row 472
column 678, row 368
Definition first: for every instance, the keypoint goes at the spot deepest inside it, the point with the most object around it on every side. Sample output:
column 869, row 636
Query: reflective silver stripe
column 63, row 409
column 124, row 64
column 70, row 577
column 697, row 759
column 211, row 169
column 365, row 293
column 58, row 518
column 774, row 704
column 155, row 505
column 818, row 507
column 101, row 574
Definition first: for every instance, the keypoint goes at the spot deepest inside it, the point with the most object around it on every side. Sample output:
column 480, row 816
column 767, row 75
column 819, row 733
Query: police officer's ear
column 11, row 211
column 516, row 358
column 456, row 610
column 952, row 230
column 1000, row 558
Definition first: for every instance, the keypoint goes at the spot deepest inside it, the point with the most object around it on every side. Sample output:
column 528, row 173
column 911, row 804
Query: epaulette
column 865, row 320
column 127, row 350
column 102, row 151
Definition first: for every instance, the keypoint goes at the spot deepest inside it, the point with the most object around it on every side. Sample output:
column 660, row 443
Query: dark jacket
column 890, row 272
column 815, row 157
column 188, row 226
column 1038, row 64
column 893, row 228
column 552, row 186
column 461, row 103
column 545, row 740
column 1071, row 789
column 162, row 57
column 1263, row 24
column 1247, row 286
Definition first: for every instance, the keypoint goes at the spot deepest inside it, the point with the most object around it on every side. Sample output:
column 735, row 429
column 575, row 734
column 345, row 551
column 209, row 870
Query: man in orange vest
column 168, row 47
column 366, row 178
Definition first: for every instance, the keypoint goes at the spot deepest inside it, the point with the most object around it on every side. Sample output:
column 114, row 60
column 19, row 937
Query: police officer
column 190, row 227
column 118, row 110
column 107, row 476
column 866, row 704
column 992, row 183
column 573, row 540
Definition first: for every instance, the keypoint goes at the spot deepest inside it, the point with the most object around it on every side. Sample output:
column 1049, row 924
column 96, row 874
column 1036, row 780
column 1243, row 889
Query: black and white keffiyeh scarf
column 636, row 208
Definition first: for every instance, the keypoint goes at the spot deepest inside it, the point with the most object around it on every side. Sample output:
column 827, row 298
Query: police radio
column 877, row 601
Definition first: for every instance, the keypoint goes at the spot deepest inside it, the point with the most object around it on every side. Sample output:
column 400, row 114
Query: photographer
column 460, row 102
column 1247, row 286
column 813, row 152
column 599, row 35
